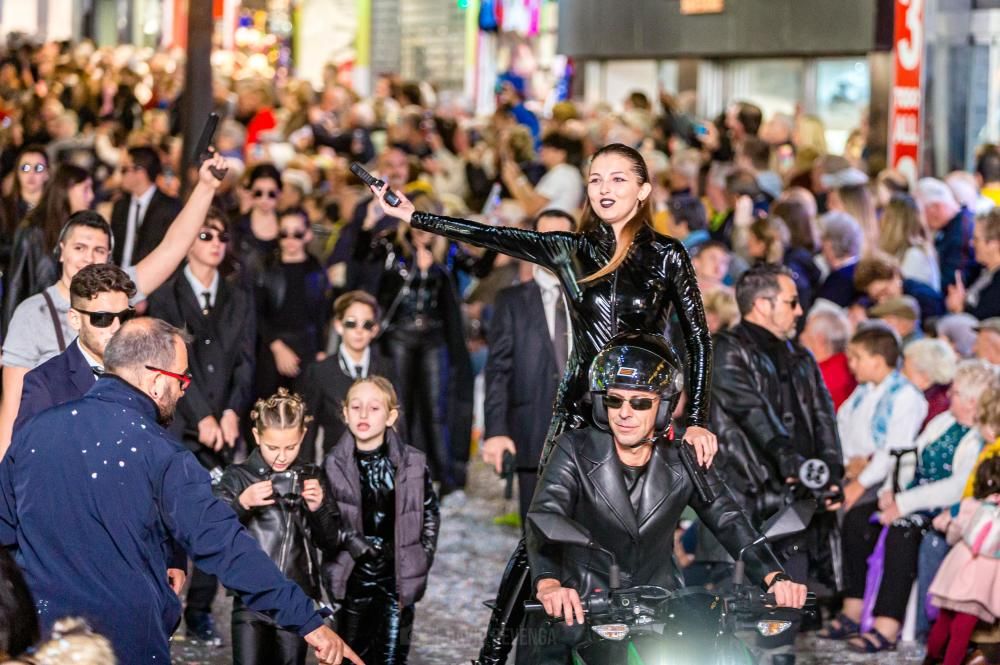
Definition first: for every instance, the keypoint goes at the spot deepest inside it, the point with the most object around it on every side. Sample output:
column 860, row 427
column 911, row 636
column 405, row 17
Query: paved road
column 472, row 552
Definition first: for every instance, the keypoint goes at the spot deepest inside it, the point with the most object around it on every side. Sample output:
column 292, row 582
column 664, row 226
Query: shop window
column 843, row 90
column 775, row 85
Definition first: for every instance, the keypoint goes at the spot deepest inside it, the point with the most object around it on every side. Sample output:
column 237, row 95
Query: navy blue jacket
column 58, row 380
column 90, row 492
column 954, row 249
column 838, row 287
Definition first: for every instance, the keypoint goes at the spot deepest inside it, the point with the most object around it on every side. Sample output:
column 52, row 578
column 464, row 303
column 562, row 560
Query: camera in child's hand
column 286, row 484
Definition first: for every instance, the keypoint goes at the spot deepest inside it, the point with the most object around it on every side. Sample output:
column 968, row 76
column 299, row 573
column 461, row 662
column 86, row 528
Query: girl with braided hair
column 285, row 505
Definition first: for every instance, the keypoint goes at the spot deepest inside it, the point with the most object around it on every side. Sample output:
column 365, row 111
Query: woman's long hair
column 53, row 209
column 904, row 226
column 643, row 215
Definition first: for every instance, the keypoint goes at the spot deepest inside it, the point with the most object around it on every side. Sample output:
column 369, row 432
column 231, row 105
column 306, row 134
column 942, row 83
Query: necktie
column 358, row 369
column 207, row 295
column 131, row 233
column 98, row 371
column 560, row 336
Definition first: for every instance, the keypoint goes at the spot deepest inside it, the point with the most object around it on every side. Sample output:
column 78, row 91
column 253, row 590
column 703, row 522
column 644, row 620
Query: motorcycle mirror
column 560, row 529
column 793, row 518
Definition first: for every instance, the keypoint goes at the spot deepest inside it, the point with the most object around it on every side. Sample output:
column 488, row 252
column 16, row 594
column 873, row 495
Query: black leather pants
column 257, row 641
column 372, row 622
column 419, row 365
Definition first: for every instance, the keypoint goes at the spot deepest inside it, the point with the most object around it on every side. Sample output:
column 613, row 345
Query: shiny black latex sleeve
column 432, row 519
column 686, row 297
column 545, row 249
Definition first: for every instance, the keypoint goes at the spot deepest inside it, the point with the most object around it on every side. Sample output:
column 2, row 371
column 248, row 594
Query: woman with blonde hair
column 906, row 236
column 857, row 200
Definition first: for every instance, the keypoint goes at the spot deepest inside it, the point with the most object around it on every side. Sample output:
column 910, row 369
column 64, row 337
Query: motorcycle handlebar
column 757, row 602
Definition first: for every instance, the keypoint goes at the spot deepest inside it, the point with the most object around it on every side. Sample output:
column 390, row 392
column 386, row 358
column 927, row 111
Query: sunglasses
column 184, row 379
column 105, row 319
column 637, row 403
column 37, row 168
column 261, row 193
column 209, row 236
column 793, row 303
column 298, row 235
column 368, row 325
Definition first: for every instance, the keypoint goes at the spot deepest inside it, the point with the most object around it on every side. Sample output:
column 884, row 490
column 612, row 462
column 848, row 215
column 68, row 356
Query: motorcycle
column 651, row 625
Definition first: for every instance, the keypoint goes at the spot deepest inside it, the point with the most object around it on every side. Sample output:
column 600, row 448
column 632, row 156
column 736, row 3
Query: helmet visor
column 635, row 368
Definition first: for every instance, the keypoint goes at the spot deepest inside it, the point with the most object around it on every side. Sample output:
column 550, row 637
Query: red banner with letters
column 905, row 115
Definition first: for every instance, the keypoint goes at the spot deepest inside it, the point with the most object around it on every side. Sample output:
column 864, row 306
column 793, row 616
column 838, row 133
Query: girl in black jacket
column 382, row 489
column 286, row 506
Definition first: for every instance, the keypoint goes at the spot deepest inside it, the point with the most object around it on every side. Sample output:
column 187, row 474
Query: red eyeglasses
column 184, row 379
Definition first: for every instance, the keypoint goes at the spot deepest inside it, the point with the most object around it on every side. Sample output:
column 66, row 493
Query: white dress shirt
column 348, row 364
column 551, row 292
column 136, row 213
column 199, row 288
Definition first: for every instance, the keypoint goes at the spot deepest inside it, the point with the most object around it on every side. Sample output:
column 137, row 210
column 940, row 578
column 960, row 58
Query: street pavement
column 472, row 553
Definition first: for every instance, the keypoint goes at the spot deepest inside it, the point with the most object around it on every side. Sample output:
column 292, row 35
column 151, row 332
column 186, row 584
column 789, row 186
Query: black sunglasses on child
column 105, row 319
column 637, row 403
column 209, row 236
column 261, row 193
column 368, row 325
column 298, row 235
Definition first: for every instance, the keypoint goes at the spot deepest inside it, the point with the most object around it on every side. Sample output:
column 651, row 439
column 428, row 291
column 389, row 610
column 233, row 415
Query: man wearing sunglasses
column 90, row 490
column 219, row 315
column 40, row 330
column 772, row 411
column 99, row 305
column 625, row 481
column 140, row 220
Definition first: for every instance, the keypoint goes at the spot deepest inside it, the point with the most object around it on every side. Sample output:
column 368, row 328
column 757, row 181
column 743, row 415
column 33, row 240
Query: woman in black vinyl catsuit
column 618, row 275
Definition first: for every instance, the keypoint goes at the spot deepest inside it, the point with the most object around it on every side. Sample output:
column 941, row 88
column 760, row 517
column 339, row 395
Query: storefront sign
column 702, row 6
column 905, row 121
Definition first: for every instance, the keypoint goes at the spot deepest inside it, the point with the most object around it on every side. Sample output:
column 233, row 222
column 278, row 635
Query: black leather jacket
column 32, row 270
column 584, row 481
column 655, row 275
column 761, row 442
column 287, row 530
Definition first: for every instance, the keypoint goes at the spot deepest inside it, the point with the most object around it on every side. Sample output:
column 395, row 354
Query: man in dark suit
column 99, row 304
column 529, row 339
column 219, row 315
column 140, row 220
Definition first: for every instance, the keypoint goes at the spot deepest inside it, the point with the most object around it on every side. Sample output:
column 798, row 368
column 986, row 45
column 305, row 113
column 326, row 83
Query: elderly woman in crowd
column 930, row 365
column 946, row 455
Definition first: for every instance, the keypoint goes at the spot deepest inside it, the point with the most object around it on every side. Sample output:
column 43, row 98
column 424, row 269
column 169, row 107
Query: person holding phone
column 618, row 275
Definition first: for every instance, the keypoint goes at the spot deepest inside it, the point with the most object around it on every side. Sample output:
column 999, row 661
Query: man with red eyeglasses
column 219, row 315
column 99, row 305
column 90, row 490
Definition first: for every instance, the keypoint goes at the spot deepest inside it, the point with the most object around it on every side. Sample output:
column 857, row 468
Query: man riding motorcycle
column 626, row 483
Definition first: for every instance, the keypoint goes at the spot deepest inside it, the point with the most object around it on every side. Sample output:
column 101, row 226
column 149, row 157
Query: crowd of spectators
column 898, row 281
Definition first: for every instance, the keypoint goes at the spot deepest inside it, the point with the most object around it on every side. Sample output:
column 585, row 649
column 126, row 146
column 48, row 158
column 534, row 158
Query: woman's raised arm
column 545, row 249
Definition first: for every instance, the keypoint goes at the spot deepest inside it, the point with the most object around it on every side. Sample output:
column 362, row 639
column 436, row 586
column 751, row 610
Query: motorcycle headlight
column 612, row 631
column 772, row 628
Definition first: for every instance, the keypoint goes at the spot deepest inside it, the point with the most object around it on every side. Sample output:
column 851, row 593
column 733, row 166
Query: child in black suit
column 324, row 384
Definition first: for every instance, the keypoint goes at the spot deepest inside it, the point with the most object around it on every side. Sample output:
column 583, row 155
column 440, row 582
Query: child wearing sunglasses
column 324, row 385
column 292, row 308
